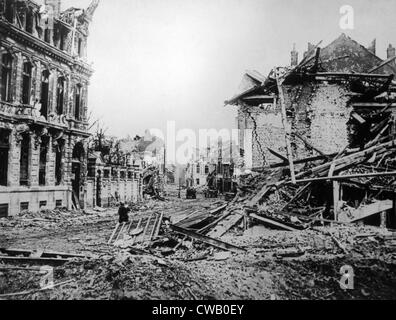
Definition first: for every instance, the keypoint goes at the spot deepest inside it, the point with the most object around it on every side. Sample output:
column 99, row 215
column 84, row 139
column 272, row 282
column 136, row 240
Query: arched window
column 77, row 102
column 6, row 71
column 44, row 92
column 60, row 91
column 26, row 82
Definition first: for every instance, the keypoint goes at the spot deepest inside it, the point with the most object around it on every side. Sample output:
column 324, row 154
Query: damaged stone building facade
column 324, row 95
column 43, row 105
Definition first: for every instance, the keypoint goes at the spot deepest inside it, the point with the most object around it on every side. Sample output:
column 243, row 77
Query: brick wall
column 318, row 112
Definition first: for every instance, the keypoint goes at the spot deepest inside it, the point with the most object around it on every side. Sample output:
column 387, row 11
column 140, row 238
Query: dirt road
column 277, row 265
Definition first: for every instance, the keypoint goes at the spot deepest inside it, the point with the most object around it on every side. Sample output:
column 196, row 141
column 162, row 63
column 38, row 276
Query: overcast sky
column 159, row 60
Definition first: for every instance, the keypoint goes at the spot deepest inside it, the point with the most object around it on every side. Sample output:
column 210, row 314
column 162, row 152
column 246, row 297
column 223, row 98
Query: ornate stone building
column 43, row 105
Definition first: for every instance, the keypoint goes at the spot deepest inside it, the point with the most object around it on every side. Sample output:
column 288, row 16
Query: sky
column 179, row 60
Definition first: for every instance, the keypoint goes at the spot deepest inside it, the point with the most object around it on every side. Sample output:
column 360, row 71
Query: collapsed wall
column 318, row 112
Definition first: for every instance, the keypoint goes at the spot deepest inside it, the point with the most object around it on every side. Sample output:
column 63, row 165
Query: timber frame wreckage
column 43, row 110
column 323, row 150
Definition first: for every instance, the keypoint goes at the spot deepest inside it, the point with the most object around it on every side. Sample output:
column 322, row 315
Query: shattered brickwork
column 317, row 112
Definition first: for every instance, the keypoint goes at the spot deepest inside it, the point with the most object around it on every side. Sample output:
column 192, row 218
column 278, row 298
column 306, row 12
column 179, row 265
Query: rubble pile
column 118, row 276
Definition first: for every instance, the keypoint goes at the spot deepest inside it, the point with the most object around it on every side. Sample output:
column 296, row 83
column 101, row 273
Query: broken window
column 6, row 68
column 43, row 160
column 60, row 88
column 44, row 92
column 58, row 163
column 24, row 161
column 26, row 82
column 77, row 111
column 4, row 148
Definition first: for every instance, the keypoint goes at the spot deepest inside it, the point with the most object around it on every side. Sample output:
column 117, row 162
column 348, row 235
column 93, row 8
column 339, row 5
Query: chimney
column 56, row 6
column 372, row 47
column 391, row 52
column 294, row 56
column 310, row 48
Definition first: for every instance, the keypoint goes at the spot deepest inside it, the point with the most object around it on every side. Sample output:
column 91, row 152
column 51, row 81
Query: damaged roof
column 344, row 57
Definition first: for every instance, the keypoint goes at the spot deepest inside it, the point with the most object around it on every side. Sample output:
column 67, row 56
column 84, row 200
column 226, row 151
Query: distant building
column 218, row 161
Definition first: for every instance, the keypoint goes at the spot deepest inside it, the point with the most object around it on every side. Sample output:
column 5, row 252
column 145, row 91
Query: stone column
column 34, row 160
column 14, row 159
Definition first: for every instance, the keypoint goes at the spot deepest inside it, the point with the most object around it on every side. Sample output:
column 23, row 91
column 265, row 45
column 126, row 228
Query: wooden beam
column 350, row 75
column 372, row 105
column 309, row 145
column 205, row 239
column 278, row 155
column 336, row 199
column 286, row 127
column 384, row 63
column 372, row 209
column 358, row 118
column 347, row 177
column 297, row 195
column 272, row 222
column 37, row 261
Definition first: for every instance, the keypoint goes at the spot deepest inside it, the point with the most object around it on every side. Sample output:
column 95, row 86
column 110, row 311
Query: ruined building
column 325, row 96
column 43, row 105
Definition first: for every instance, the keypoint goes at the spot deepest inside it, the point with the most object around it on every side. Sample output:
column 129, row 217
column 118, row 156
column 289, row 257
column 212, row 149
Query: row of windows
column 42, row 106
column 27, row 19
column 199, row 169
column 25, row 157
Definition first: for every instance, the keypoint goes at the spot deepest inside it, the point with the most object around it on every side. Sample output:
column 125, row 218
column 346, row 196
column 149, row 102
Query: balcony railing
column 27, row 112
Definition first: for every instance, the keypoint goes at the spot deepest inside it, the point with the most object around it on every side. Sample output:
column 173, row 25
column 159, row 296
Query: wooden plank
column 301, row 161
column 45, row 254
column 372, row 209
column 383, row 63
column 113, row 234
column 217, row 210
column 313, row 219
column 210, row 225
column 373, row 105
column 137, row 227
column 347, row 177
column 146, row 228
column 296, row 196
column 159, row 225
column 123, row 225
column 30, row 260
column 208, row 240
column 286, row 127
column 272, row 222
column 278, row 155
column 358, row 118
column 349, row 75
column 260, row 195
column 336, row 199
column 225, row 225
